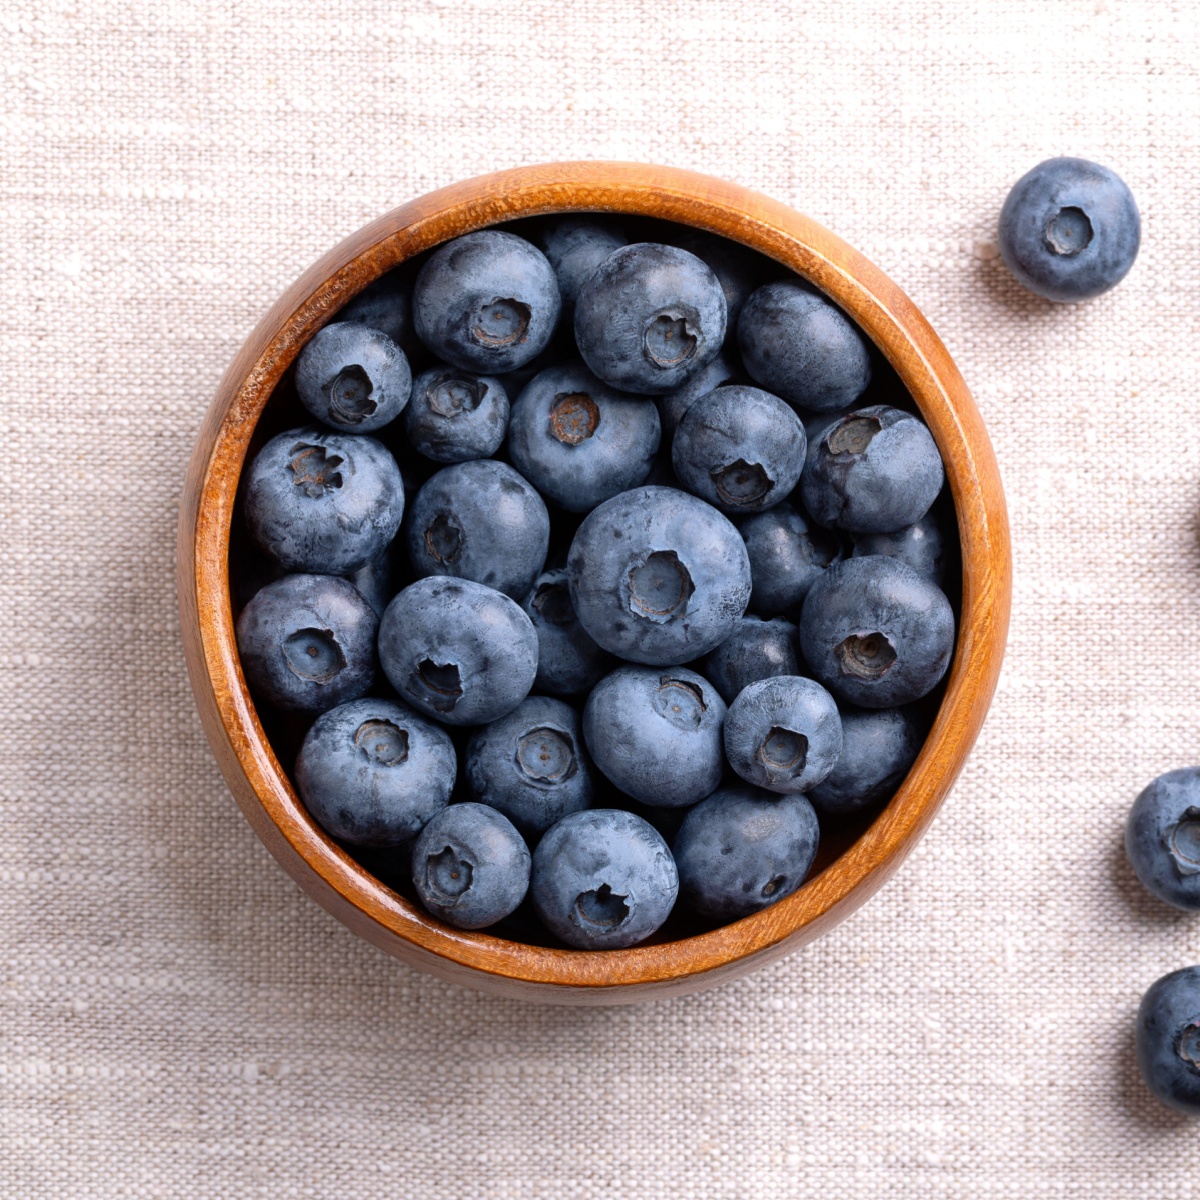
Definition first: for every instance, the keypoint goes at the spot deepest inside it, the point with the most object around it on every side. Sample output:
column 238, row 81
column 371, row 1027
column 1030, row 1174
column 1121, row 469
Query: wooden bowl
column 250, row 766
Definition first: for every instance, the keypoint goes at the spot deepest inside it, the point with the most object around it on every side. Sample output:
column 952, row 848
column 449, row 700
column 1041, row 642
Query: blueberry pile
column 599, row 580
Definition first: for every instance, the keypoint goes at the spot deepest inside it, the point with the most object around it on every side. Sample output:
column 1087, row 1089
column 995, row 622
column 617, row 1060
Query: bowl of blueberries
column 593, row 578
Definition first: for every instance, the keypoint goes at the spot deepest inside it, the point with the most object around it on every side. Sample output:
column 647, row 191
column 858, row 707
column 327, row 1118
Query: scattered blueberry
column 353, row 377
column 575, row 246
column 878, row 747
column 717, row 373
column 569, row 662
column 922, row 545
column 456, row 415
column 1168, row 1039
column 386, row 305
column 787, row 556
column 756, row 649
column 1162, row 838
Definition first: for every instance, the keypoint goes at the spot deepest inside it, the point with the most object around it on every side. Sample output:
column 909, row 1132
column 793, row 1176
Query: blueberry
column 876, row 470
column 742, row 850
column 756, row 649
column 307, row 642
column 876, row 633
column 738, row 269
column 577, row 440
column 458, row 651
column 531, row 764
column 456, row 415
column 787, row 556
column 656, row 734
column 648, row 317
column 470, row 866
column 487, row 301
column 322, row 501
column 739, row 448
column 378, row 580
column 1069, row 229
column 1162, row 837
column 783, row 734
column 575, row 246
column 1168, row 1039
column 922, row 545
column 799, row 345
column 373, row 773
column 353, row 377
column 386, row 305
column 569, row 662
column 720, row 371
column 603, row 879
column 878, row 747
column 481, row 521
column 658, row 576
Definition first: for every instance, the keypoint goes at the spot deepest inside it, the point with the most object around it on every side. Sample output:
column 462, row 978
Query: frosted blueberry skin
column 577, row 440
column 575, row 246
column 798, row 345
column 742, row 850
column 738, row 269
column 603, row 879
column 457, row 651
column 569, row 662
column 1168, row 1040
column 876, row 633
column 658, row 576
column 656, row 734
column 480, row 521
column 756, row 649
column 648, row 317
column 379, row 579
column 1069, row 230
column 878, row 748
column 720, row 371
column 487, row 302
column 353, row 377
column 386, row 305
column 876, row 470
column 531, row 765
column 739, row 448
column 783, row 734
column 922, row 545
column 456, row 415
column 1162, row 838
column 307, row 643
column 470, row 867
column 323, row 502
column 787, row 556
column 373, row 772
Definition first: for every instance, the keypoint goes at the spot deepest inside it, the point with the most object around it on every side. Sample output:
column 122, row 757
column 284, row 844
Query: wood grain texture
column 247, row 761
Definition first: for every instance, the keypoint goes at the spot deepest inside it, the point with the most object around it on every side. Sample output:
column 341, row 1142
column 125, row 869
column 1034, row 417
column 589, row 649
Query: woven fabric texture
column 176, row 1018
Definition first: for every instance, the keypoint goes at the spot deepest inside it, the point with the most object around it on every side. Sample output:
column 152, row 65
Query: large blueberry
column 373, row 772
column 307, row 642
column 575, row 246
column 481, row 521
column 1168, row 1039
column 878, row 747
column 876, row 633
column 876, row 470
column 353, row 377
column 470, row 866
column 1162, row 837
column 569, row 662
column 1069, row 229
column 756, row 649
column 799, row 345
column 386, row 305
column 742, row 850
column 738, row 269
column 720, row 371
column 787, row 556
column 458, row 651
column 322, row 501
column 656, row 734
column 456, row 415
column 739, row 448
column 922, row 545
column 603, row 879
column 648, row 317
column 658, row 576
column 487, row 302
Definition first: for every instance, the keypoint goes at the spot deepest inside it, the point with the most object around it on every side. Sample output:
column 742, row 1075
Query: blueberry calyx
column 772, row 886
column 1188, row 1044
column 315, row 471
column 545, row 756
column 574, row 417
column 660, row 587
column 383, row 742
column 784, row 749
column 681, row 702
column 669, row 339
column 602, row 907
column 501, row 322
column 314, row 655
column 1068, row 232
column 441, row 684
column 449, row 397
column 444, row 538
column 350, row 395
column 865, row 655
column 853, row 434
column 553, row 602
column 1183, row 842
column 448, row 876
column 741, row 483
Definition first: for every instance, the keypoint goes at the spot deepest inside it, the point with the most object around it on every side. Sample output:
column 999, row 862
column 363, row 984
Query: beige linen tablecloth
column 176, row 1019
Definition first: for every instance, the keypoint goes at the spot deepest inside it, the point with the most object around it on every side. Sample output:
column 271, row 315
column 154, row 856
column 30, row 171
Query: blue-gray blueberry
column 1162, row 837
column 720, row 371
column 1168, row 1039
column 456, row 415
column 787, row 555
column 756, row 649
column 575, row 246
column 569, row 662
column 878, row 747
column 353, row 377
column 738, row 269
column 922, row 545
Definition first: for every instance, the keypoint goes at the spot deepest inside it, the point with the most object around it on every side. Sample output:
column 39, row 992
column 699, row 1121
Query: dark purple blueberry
column 1162, row 838
column 922, row 545
column 756, row 649
column 456, row 415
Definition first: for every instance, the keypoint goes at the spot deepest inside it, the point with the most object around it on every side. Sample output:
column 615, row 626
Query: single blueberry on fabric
column 386, row 305
column 603, row 879
column 878, row 748
column 876, row 470
column 307, row 642
column 575, row 246
column 1168, row 1040
column 487, row 302
column 481, row 521
column 1069, row 229
column 656, row 734
column 470, row 867
column 923, row 545
column 756, row 649
column 353, row 377
column 742, row 850
column 374, row 773
column 455, row 415
column 569, row 662
column 648, row 317
column 1162, row 838
column 458, row 651
column 801, row 346
column 876, row 633
column 788, row 554
column 722, row 370
column 658, row 576
column 323, row 502
column 578, row 441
